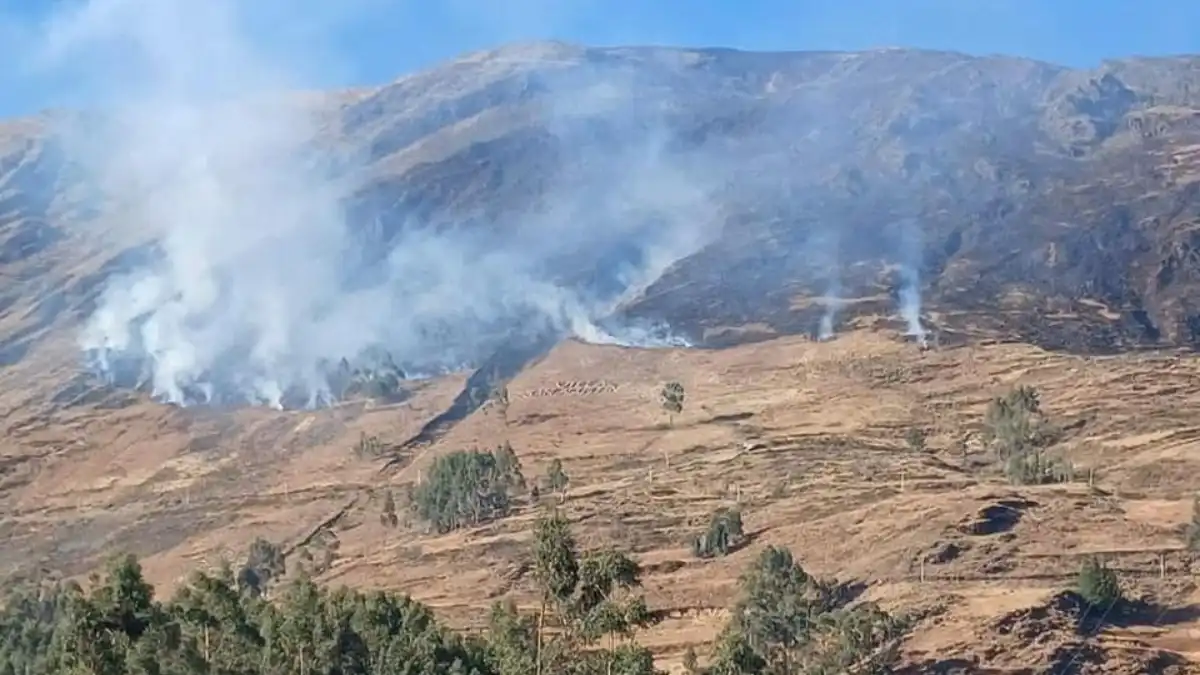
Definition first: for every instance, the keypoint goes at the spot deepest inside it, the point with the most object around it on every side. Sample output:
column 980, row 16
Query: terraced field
column 809, row 438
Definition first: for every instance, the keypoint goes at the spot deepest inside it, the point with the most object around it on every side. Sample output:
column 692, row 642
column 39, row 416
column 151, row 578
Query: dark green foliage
column 1014, row 424
column 512, row 640
column 672, row 397
column 217, row 625
column 499, row 400
column 555, row 559
column 1098, row 585
column 587, row 598
column 466, row 488
column 264, row 563
column 1018, row 431
column 1035, row 467
column 28, row 626
column 508, row 465
column 724, row 534
column 211, row 627
column 788, row 623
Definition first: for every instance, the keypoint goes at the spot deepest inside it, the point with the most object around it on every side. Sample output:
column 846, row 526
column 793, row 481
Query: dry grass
column 808, row 437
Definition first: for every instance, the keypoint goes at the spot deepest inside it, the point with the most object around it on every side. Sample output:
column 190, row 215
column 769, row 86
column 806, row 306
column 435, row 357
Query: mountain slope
column 1053, row 204
column 738, row 196
column 1050, row 203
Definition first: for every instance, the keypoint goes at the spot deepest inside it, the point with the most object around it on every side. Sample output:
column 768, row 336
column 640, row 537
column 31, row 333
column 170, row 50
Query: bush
column 467, row 487
column 1018, row 431
column 1098, row 585
column 1013, row 423
column 671, row 397
column 556, row 477
column 788, row 622
column 723, row 536
column 388, row 516
column 915, row 439
column 265, row 563
column 1035, row 468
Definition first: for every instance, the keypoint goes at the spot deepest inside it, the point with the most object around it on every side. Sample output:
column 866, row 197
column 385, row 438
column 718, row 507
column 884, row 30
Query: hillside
column 1038, row 220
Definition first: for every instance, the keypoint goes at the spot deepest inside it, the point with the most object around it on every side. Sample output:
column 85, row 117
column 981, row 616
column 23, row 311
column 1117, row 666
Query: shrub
column 265, row 563
column 1018, row 431
column 1098, row 585
column 724, row 534
column 556, row 478
column 915, row 439
column 1033, row 467
column 466, row 487
column 672, row 397
column 1013, row 423
column 788, row 622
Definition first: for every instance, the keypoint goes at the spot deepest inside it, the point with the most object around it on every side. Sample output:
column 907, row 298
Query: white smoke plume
column 201, row 148
column 910, row 280
column 829, row 263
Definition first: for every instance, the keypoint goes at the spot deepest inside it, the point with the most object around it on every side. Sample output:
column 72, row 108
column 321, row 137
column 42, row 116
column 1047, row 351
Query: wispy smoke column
column 910, row 279
column 829, row 253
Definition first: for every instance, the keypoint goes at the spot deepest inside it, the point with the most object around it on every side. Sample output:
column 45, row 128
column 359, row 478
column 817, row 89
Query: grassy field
column 812, row 440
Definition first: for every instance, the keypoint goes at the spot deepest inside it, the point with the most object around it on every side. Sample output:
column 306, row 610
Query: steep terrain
column 1020, row 189
column 1049, row 212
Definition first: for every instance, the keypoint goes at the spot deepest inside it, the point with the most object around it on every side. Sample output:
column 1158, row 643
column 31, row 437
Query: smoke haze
column 261, row 283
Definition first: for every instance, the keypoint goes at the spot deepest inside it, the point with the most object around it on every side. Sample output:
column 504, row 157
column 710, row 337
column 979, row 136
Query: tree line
column 250, row 622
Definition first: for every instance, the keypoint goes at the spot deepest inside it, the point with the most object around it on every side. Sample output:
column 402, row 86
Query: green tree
column 788, row 623
column 32, row 619
column 672, row 397
column 1014, row 424
column 1034, row 467
column 499, row 399
column 1098, row 584
column 211, row 627
column 724, row 534
column 586, row 599
column 464, row 488
column 264, row 564
column 388, row 517
column 369, row 447
column 1017, row 430
column 508, row 467
column 512, row 640
column 556, row 569
column 556, row 478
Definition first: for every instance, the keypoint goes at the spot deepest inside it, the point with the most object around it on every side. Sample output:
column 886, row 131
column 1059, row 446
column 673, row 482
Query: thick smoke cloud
column 260, row 289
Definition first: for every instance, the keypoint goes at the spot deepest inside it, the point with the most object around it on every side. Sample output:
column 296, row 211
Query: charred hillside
column 1032, row 201
column 1052, row 204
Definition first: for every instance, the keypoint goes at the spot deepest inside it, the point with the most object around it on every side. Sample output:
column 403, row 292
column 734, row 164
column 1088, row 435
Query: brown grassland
column 809, row 438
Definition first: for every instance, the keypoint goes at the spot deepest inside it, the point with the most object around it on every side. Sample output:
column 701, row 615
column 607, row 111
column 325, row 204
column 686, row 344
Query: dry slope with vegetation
column 969, row 507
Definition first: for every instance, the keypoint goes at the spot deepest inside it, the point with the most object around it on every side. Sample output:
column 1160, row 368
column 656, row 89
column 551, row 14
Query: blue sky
column 374, row 41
